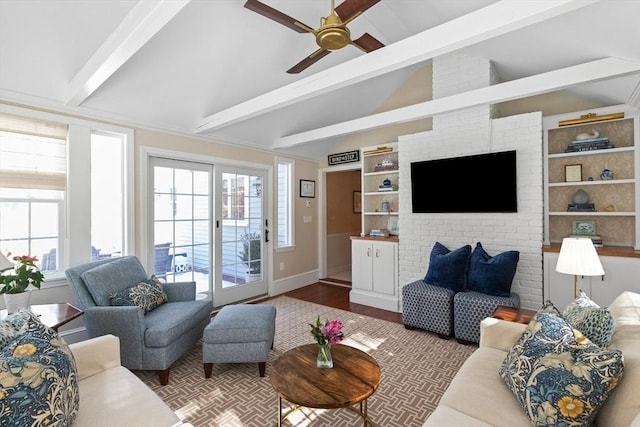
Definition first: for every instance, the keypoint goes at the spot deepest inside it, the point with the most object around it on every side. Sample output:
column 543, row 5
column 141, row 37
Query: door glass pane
column 181, row 223
column 242, row 229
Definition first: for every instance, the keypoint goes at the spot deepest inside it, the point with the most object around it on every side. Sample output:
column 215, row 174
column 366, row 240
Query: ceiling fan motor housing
column 333, row 38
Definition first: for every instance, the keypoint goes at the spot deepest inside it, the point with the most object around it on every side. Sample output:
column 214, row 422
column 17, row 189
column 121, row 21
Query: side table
column 53, row 315
column 513, row 314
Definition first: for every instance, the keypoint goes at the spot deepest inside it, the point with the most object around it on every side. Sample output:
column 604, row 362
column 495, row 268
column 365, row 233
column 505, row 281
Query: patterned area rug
column 416, row 367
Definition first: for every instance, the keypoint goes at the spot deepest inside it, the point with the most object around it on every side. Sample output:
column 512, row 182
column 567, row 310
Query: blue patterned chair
column 152, row 338
column 428, row 307
column 469, row 308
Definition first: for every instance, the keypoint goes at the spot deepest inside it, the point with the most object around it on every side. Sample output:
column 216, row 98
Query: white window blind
column 32, row 153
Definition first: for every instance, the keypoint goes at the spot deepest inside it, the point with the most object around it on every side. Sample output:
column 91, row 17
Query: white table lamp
column 5, row 264
column 578, row 256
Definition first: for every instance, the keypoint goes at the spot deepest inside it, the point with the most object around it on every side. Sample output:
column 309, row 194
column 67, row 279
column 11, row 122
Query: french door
column 209, row 227
column 241, row 228
column 182, row 221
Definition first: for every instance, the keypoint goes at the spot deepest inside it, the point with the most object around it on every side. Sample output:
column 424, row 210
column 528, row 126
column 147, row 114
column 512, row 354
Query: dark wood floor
column 338, row 297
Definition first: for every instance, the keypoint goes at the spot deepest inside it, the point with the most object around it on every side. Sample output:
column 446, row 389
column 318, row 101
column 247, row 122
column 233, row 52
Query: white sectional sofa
column 110, row 394
column 478, row 396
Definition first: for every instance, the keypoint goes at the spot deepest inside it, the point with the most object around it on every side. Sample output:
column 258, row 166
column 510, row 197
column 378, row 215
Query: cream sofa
column 477, row 396
column 110, row 394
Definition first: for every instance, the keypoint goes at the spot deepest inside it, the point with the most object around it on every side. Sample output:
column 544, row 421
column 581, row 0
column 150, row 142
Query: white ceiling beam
column 528, row 86
column 142, row 23
column 494, row 20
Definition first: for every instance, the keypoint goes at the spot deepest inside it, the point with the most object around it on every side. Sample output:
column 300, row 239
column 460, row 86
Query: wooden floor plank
column 338, row 297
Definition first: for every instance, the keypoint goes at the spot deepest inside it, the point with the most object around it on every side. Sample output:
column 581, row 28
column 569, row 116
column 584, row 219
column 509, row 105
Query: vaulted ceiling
column 216, row 70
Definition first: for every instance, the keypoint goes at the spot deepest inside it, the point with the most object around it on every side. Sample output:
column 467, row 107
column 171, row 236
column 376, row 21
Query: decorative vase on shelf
column 14, row 302
column 324, row 359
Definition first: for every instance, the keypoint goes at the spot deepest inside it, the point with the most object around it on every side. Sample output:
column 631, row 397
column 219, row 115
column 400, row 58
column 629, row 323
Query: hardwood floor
column 338, row 297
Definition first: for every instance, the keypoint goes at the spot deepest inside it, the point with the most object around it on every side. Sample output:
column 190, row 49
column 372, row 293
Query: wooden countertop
column 621, row 251
column 380, row 239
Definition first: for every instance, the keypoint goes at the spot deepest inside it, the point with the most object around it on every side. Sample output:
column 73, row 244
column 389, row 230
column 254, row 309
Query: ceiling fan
column 332, row 34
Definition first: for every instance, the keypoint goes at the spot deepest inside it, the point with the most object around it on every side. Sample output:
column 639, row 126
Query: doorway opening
column 343, row 220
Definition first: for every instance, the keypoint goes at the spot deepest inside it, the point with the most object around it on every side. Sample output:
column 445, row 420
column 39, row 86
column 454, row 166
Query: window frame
column 75, row 242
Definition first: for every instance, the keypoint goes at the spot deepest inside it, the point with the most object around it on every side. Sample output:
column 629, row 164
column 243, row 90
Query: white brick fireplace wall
column 467, row 132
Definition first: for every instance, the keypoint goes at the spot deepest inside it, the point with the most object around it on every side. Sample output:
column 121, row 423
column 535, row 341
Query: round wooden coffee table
column 354, row 377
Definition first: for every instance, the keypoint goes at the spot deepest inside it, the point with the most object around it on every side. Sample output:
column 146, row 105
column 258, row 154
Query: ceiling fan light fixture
column 333, row 38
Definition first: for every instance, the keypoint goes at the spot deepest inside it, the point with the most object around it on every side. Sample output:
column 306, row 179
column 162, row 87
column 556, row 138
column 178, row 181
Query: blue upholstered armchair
column 151, row 340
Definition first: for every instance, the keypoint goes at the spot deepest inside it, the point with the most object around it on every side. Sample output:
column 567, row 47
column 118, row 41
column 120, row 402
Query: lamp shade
column 578, row 256
column 5, row 264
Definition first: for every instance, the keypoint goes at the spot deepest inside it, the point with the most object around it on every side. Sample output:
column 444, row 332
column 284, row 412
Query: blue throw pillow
column 147, row 295
column 447, row 268
column 492, row 275
column 558, row 376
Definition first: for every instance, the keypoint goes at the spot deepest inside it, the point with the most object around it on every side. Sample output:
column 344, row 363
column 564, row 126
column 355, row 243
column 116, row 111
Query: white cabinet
column 620, row 274
column 374, row 276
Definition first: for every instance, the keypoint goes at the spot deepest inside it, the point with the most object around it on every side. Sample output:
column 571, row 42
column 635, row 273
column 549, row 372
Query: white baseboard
column 293, row 282
column 74, row 335
column 371, row 299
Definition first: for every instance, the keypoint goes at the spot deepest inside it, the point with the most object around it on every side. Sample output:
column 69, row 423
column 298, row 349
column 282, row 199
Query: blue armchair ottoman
column 240, row 333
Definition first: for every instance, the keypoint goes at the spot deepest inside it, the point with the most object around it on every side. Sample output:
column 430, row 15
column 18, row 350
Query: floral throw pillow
column 146, row 295
column 38, row 379
column 595, row 322
column 558, row 376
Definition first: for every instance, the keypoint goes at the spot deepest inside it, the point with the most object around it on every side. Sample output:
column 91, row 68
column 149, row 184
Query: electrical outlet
column 282, row 266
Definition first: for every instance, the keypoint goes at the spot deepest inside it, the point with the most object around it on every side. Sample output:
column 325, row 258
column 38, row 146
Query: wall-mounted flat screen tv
column 478, row 183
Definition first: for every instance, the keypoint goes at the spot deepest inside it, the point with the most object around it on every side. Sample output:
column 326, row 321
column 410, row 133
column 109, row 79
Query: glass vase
column 324, row 359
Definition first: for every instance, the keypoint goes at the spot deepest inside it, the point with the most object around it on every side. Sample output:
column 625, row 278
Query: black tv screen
column 478, row 183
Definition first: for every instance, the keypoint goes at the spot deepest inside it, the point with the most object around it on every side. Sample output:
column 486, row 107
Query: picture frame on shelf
column 584, row 228
column 573, row 173
column 392, row 226
column 307, row 188
column 357, row 202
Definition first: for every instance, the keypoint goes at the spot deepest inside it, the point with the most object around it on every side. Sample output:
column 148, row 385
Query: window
column 32, row 188
column 56, row 171
column 107, row 190
column 284, row 200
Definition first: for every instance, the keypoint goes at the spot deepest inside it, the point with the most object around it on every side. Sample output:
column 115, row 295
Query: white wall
column 467, row 132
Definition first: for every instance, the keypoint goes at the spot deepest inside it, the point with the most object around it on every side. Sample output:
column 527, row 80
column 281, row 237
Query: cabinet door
column 361, row 265
column 385, row 268
column 558, row 287
column 620, row 274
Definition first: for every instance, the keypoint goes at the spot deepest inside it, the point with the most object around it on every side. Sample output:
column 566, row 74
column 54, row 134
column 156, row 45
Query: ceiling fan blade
column 276, row 15
column 308, row 61
column 367, row 43
column 350, row 9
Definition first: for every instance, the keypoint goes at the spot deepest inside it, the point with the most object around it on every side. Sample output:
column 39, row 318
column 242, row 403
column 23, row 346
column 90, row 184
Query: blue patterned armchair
column 152, row 338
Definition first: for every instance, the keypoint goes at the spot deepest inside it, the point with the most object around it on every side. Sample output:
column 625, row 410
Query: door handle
column 266, row 236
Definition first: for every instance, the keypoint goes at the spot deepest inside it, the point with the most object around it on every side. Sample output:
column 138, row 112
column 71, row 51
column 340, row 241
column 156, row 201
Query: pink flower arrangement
column 328, row 333
column 24, row 274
